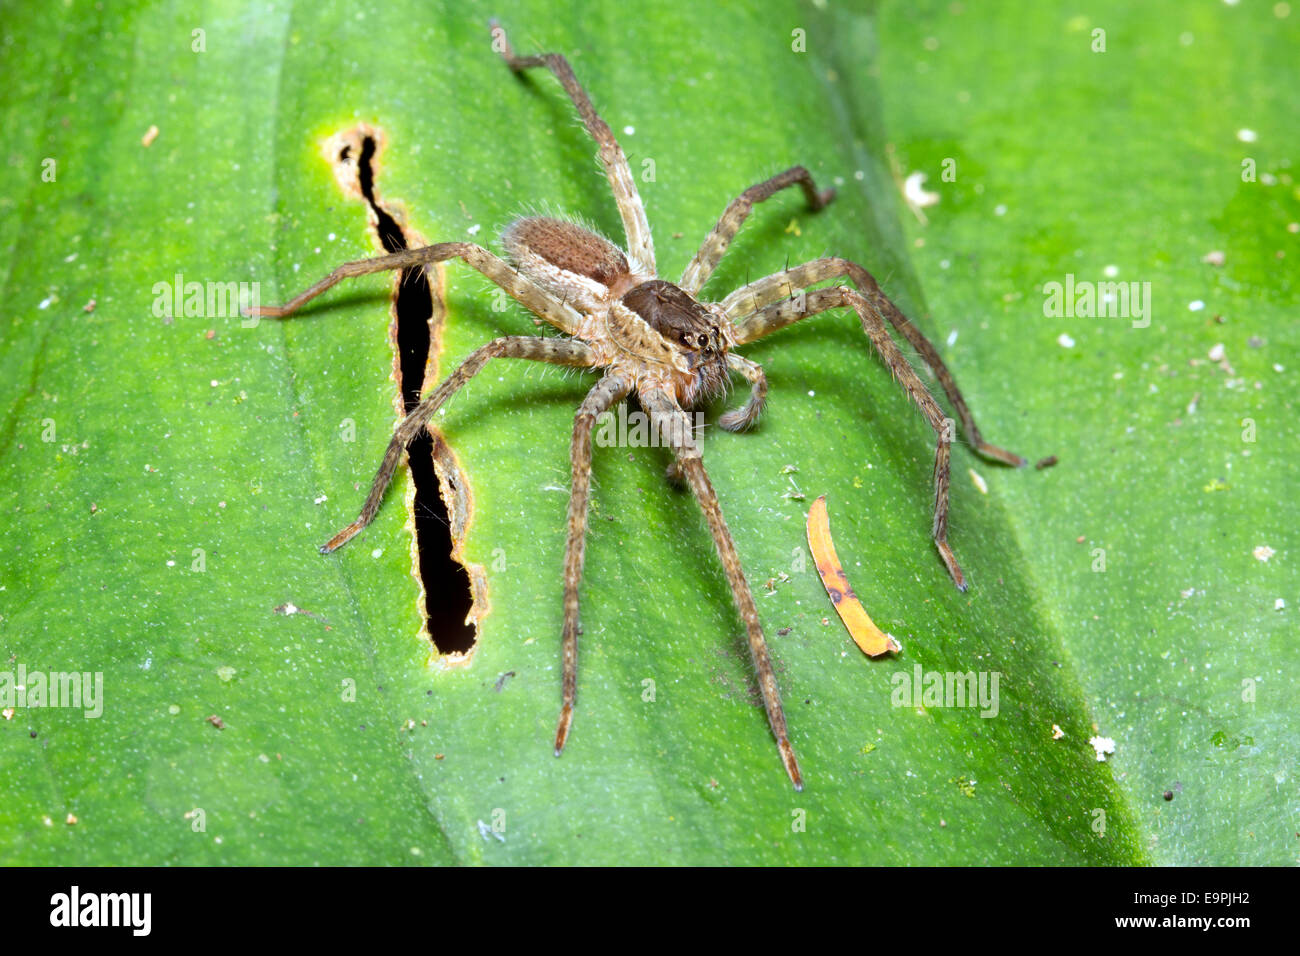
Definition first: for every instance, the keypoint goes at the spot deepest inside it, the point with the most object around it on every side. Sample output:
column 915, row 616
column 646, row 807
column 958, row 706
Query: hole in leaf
column 448, row 597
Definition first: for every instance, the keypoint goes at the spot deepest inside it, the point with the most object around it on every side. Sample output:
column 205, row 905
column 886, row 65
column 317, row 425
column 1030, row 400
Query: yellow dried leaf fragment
column 862, row 629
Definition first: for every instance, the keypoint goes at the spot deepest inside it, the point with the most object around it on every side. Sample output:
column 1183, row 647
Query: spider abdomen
column 571, row 262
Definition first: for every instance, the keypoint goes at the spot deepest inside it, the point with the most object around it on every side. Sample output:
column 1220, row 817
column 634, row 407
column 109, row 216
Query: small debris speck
column 915, row 193
column 1247, row 135
column 1047, row 462
column 1213, row 258
column 149, row 136
column 1103, row 746
column 1057, row 732
column 1263, row 553
column 978, row 480
column 1065, row 341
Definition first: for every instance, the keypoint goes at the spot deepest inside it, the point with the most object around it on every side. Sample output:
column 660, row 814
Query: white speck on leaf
column 914, row 192
column 1103, row 746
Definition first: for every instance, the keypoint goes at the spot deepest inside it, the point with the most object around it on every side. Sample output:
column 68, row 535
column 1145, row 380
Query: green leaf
column 166, row 533
column 1177, row 465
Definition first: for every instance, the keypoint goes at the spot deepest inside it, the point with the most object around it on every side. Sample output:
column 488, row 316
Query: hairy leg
column 737, row 420
column 788, row 311
column 715, row 244
column 532, row 297
column 639, row 244
column 674, row 425
column 602, row 396
column 746, row 304
column 554, row 351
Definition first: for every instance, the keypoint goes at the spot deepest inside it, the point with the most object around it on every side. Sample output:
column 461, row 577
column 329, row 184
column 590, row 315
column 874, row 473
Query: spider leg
column 788, row 311
column 715, row 244
column 674, row 425
column 604, row 394
column 739, row 419
column 630, row 208
column 748, row 306
column 554, row 351
column 530, row 296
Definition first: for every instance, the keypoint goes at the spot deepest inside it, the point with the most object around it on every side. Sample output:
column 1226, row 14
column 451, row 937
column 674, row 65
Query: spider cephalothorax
column 697, row 334
column 656, row 339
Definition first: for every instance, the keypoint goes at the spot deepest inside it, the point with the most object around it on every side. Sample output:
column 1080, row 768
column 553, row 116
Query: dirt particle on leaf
column 1102, row 746
column 965, row 784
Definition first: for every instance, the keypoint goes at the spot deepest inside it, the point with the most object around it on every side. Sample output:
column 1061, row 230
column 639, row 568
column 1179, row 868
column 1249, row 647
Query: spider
column 661, row 342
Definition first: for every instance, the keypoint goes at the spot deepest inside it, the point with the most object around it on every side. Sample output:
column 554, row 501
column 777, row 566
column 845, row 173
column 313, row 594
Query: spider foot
column 562, row 732
column 791, row 764
column 733, row 421
column 824, row 199
column 737, row 420
column 954, row 568
column 994, row 453
column 343, row 537
column 264, row 311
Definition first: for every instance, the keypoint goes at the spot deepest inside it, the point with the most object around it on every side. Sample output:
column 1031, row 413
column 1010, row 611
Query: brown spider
column 660, row 341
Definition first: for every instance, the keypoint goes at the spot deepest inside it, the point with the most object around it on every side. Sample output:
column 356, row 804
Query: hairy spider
column 657, row 339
